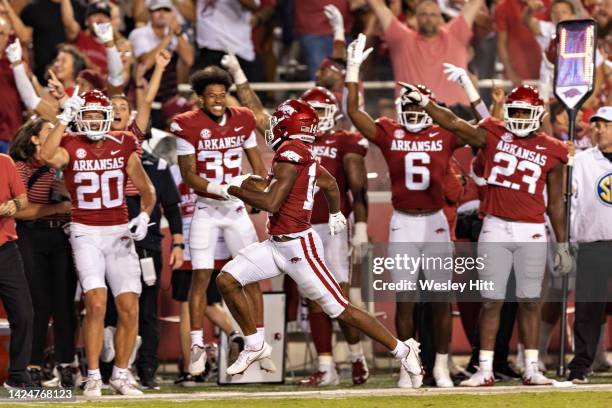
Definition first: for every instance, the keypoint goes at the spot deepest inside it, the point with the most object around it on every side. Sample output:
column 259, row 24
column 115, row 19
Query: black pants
column 148, row 323
column 15, row 296
column 207, row 57
column 48, row 261
column 594, row 269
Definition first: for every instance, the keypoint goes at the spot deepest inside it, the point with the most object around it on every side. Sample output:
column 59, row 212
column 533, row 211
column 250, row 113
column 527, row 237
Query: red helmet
column 413, row 120
column 524, row 98
column 95, row 101
column 292, row 119
column 321, row 98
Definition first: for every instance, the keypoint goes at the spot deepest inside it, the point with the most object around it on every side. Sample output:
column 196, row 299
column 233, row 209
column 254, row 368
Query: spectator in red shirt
column 86, row 40
column 517, row 47
column 14, row 290
column 10, row 110
column 417, row 56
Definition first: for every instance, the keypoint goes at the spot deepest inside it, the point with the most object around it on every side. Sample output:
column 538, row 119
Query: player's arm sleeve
column 356, row 144
column 382, row 132
column 250, row 141
column 170, row 199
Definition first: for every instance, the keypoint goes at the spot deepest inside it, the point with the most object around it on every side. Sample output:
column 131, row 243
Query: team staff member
column 591, row 228
column 14, row 290
column 47, row 255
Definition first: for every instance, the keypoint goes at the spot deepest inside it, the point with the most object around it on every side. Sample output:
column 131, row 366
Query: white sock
column 441, row 360
column 94, row 374
column 119, row 372
column 253, row 342
column 197, row 338
column 531, row 357
column 355, row 352
column 262, row 332
column 545, row 332
column 485, row 360
column 326, row 363
column 400, row 351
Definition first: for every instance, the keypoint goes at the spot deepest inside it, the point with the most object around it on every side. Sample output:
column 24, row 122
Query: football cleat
column 321, row 378
column 480, row 378
column 197, row 361
column 248, row 357
column 533, row 376
column 267, row 364
column 404, row 379
column 92, row 387
column 123, row 386
column 442, row 377
column 412, row 363
column 360, row 372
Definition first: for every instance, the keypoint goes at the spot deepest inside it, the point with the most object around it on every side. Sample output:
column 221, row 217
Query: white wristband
column 361, row 228
column 239, row 77
column 339, row 35
column 352, row 74
column 216, row 189
column 471, row 92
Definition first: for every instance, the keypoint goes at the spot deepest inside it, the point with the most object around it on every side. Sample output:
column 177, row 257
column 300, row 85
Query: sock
column 531, row 357
column 197, row 338
column 261, row 331
column 400, row 351
column 253, row 341
column 355, row 352
column 326, row 363
column 94, row 374
column 321, row 332
column 441, row 360
column 485, row 360
column 119, row 372
column 545, row 332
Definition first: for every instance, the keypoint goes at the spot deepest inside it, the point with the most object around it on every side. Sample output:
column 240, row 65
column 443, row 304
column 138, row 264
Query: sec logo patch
column 604, row 189
column 507, row 137
column 399, row 134
column 81, row 153
column 205, row 134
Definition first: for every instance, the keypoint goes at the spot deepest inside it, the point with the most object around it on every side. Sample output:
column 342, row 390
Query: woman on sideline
column 46, row 252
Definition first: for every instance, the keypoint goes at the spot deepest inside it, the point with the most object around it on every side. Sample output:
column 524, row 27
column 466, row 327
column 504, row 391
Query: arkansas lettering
column 103, row 164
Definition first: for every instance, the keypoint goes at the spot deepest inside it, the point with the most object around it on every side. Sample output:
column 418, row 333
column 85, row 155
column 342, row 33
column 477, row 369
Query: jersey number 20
column 96, row 184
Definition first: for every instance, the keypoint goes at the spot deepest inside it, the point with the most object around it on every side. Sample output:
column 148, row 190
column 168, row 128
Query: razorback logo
column 291, row 155
column 175, row 127
column 536, row 236
column 440, row 231
column 295, row 259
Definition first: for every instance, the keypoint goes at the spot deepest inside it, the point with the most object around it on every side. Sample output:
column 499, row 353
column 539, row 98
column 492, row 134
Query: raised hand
column 14, row 52
column 412, row 93
column 104, row 31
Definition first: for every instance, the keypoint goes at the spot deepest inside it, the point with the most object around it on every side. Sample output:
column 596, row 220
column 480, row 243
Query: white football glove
column 460, row 76
column 337, row 223
column 563, row 259
column 220, row 190
column 14, row 52
column 71, row 108
column 360, row 238
column 414, row 95
column 138, row 226
column 355, row 55
column 238, row 180
column 336, row 21
column 231, row 63
column 104, row 31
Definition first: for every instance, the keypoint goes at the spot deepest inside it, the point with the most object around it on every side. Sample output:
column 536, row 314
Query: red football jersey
column 515, row 169
column 329, row 151
column 294, row 214
column 417, row 163
column 96, row 176
column 218, row 147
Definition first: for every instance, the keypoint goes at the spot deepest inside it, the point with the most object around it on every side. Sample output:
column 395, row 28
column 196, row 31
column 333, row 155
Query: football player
column 294, row 247
column 96, row 163
column 210, row 144
column 519, row 162
column 342, row 154
column 417, row 154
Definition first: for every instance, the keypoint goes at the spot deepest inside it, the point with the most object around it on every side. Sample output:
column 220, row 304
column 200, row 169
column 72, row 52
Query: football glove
column 71, row 108
column 336, row 21
column 414, row 95
column 138, row 226
column 563, row 259
column 14, row 52
column 337, row 223
column 460, row 76
column 230, row 62
column 355, row 55
column 104, row 31
column 220, row 190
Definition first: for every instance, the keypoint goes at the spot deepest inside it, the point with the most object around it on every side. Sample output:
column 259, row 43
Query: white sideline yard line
column 347, row 393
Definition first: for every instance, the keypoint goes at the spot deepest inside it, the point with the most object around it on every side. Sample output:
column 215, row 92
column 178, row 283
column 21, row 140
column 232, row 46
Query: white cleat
column 197, row 362
column 442, row 377
column 248, row 357
column 123, row 386
column 108, row 346
column 92, row 388
column 267, row 365
column 132, row 379
column 480, row 378
column 404, row 379
column 533, row 376
column 412, row 363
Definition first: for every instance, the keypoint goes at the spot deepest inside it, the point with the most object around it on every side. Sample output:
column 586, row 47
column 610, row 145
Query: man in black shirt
column 44, row 27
